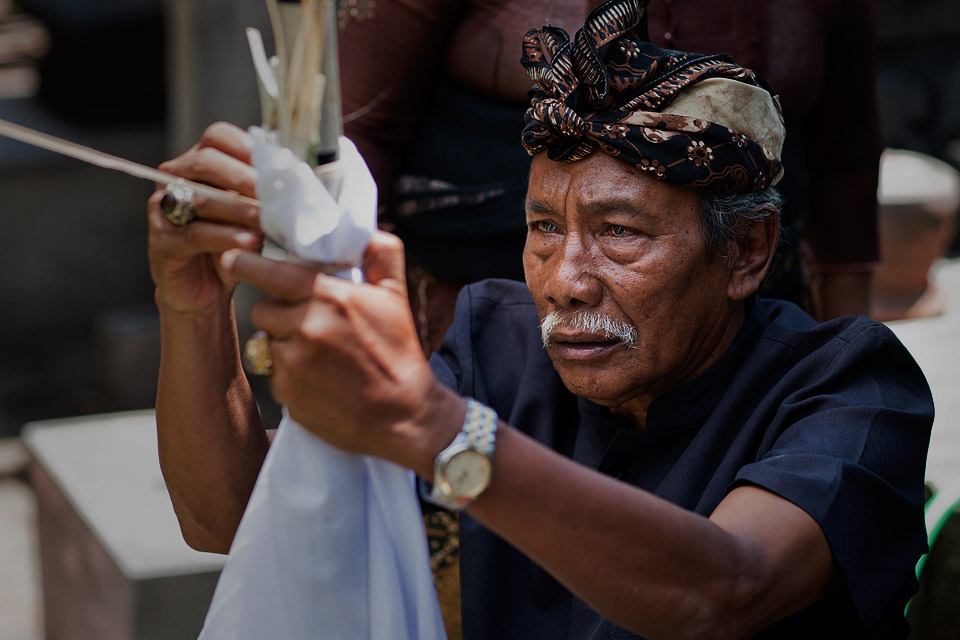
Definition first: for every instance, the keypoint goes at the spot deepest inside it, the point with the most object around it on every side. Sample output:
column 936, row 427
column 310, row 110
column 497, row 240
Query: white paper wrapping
column 331, row 545
column 297, row 210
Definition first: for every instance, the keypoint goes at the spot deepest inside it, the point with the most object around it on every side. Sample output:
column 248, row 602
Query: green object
column 937, row 511
column 933, row 612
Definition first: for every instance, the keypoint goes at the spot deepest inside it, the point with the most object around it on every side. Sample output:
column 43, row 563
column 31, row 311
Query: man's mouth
column 582, row 346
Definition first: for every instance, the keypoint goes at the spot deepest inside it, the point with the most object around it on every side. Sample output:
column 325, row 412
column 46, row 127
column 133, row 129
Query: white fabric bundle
column 331, row 545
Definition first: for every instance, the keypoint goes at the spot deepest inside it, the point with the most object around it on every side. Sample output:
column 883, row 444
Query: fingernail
column 246, row 239
column 229, row 258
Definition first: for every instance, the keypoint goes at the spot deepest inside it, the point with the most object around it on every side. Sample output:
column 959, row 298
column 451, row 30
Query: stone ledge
column 113, row 561
column 14, row 457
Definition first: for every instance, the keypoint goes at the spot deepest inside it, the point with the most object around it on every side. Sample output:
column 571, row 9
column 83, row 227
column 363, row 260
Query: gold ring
column 257, row 355
column 179, row 203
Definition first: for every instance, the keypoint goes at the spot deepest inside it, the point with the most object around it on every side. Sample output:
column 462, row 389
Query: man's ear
column 753, row 255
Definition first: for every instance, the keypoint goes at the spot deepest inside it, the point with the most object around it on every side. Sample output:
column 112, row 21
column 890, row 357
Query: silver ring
column 257, row 354
column 179, row 203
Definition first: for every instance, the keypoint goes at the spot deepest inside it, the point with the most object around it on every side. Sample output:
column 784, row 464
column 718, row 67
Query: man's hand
column 184, row 260
column 347, row 361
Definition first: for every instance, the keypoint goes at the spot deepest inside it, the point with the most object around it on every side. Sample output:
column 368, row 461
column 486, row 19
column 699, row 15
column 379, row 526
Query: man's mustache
column 590, row 322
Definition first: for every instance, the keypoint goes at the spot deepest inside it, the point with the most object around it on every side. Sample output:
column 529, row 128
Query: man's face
column 605, row 239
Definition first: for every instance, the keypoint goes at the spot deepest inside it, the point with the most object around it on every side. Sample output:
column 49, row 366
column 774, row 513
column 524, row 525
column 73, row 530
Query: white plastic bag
column 331, row 545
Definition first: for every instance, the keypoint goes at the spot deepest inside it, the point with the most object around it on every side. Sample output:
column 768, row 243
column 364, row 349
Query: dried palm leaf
column 300, row 83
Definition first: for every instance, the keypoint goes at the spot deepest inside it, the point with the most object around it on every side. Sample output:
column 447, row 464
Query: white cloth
column 331, row 545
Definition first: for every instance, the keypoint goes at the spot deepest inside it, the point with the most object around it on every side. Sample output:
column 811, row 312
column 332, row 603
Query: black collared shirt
column 834, row 417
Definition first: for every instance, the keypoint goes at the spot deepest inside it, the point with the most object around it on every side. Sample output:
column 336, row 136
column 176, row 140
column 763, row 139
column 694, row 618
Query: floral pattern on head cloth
column 701, row 122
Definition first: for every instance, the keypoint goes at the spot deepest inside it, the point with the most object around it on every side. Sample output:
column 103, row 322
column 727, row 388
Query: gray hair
column 591, row 321
column 724, row 219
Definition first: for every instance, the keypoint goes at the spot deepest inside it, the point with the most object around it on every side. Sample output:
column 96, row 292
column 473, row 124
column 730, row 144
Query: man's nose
column 571, row 280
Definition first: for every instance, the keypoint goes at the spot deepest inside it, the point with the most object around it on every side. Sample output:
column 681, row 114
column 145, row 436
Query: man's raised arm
column 211, row 439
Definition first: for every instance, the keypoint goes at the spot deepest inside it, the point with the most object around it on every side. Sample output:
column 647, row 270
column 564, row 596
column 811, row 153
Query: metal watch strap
column 479, row 433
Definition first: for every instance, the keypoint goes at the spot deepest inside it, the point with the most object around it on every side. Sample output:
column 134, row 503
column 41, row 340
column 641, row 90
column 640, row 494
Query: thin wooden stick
column 107, row 161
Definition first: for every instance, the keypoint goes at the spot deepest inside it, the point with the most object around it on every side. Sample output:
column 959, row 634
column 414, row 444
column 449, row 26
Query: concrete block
column 21, row 617
column 114, row 564
column 930, row 341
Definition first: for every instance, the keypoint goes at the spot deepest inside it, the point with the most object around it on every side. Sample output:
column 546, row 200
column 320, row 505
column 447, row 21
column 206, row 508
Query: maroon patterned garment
column 700, row 122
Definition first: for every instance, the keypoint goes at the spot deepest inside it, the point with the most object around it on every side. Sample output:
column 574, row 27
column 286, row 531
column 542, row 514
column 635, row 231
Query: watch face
column 468, row 473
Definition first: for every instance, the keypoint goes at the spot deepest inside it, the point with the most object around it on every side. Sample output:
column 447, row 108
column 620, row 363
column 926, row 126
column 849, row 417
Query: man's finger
column 230, row 139
column 199, row 235
column 384, row 262
column 280, row 319
column 241, row 215
column 284, row 280
column 203, row 237
column 209, row 165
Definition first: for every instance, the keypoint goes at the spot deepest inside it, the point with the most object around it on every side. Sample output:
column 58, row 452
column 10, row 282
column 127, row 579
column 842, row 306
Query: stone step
column 113, row 560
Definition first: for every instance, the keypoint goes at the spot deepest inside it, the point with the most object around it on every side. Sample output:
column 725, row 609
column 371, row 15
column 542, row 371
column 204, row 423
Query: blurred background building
column 136, row 78
column 142, row 79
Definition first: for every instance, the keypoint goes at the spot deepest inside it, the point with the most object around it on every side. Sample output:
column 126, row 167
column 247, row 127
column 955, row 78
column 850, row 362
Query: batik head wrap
column 700, row 122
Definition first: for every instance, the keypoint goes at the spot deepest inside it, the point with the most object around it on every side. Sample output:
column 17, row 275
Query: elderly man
column 673, row 457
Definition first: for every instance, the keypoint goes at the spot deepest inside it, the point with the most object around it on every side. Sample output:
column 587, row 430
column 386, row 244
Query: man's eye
column 544, row 226
column 619, row 231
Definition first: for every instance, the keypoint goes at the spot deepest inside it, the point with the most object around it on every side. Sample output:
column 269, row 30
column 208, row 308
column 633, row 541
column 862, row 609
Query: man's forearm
column 648, row 565
column 575, row 524
column 211, row 439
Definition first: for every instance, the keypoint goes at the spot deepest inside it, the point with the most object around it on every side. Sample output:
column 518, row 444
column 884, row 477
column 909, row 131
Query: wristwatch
column 462, row 471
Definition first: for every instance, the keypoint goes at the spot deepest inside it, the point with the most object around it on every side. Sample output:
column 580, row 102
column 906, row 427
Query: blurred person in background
column 424, row 78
